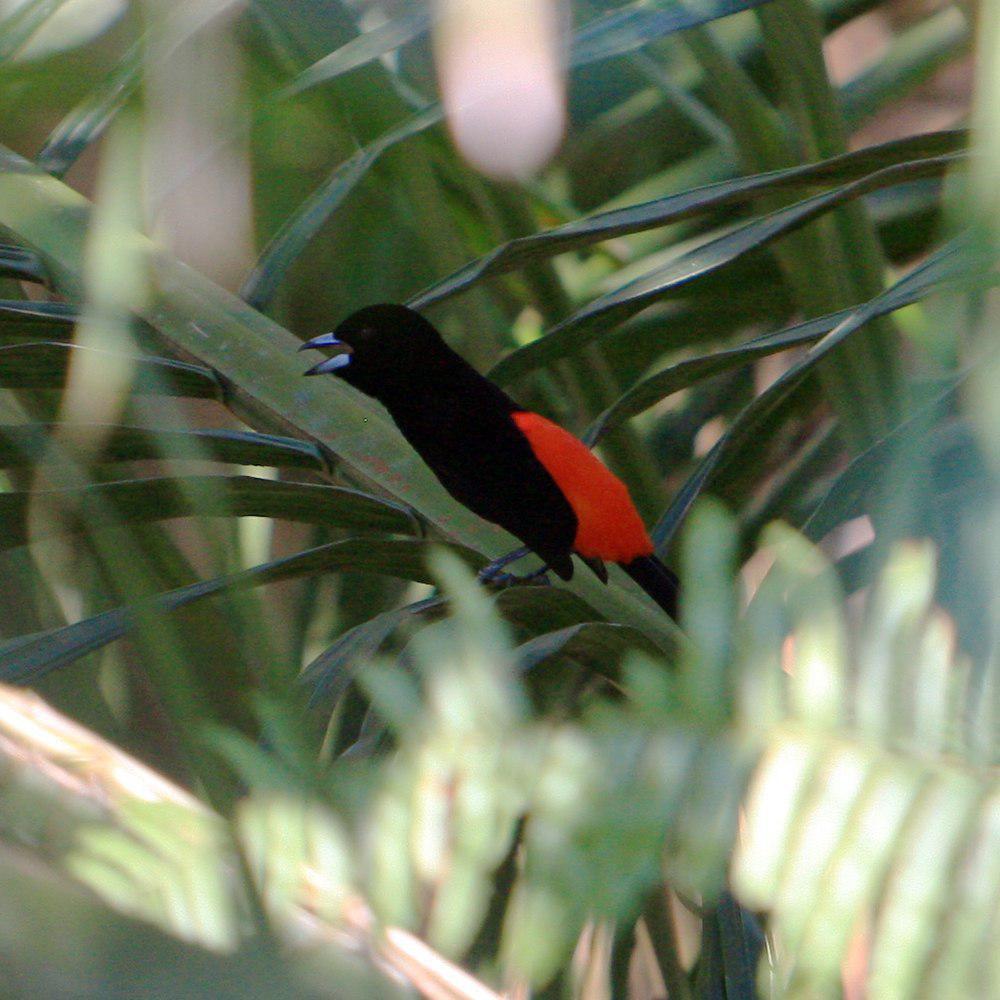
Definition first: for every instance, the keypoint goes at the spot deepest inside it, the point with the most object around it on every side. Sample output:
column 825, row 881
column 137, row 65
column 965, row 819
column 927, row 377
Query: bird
column 509, row 465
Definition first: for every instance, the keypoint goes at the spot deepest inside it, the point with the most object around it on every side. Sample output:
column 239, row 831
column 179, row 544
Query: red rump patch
column 609, row 526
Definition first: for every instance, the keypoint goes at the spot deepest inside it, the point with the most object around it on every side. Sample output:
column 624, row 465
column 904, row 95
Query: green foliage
column 370, row 771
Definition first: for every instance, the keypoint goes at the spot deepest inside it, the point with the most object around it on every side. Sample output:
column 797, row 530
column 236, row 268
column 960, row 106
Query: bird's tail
column 659, row 582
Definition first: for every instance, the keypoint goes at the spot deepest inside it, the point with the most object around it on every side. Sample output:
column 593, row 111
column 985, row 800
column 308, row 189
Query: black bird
column 506, row 464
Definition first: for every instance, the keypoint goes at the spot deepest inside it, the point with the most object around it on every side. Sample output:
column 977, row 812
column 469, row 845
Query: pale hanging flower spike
column 500, row 68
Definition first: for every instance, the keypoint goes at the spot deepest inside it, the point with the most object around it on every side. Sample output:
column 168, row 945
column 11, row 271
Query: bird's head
column 379, row 349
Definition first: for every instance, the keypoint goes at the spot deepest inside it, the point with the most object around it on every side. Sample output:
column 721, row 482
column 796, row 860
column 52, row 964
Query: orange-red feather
column 609, row 526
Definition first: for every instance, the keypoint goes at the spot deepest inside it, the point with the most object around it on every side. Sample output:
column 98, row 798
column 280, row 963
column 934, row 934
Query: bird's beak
column 341, row 357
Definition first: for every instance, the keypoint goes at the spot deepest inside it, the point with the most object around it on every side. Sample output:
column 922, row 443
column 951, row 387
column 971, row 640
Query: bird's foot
column 539, row 576
column 493, row 575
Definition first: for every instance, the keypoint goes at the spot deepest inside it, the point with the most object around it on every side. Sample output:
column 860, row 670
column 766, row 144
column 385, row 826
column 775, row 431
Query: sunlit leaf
column 697, row 264
column 950, row 263
column 369, row 45
column 596, row 646
column 32, row 656
column 90, row 118
column 38, row 28
column 637, row 24
column 593, row 229
column 161, row 498
column 43, row 366
column 291, row 240
column 27, row 444
column 25, row 265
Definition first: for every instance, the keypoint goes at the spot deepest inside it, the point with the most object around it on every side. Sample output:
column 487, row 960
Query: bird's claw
column 494, row 576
